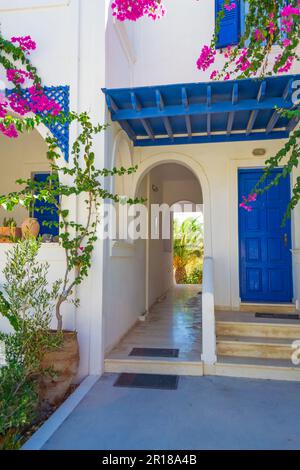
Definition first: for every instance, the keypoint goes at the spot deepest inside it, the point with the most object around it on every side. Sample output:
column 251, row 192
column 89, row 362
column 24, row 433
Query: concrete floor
column 204, row 413
column 174, row 322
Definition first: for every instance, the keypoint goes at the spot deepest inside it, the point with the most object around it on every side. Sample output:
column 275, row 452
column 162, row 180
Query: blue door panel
column 264, row 246
column 47, row 215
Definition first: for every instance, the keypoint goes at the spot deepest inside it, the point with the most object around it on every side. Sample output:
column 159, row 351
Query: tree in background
column 187, row 246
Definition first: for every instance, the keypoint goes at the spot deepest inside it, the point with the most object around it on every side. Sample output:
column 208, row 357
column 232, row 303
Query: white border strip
column 43, row 434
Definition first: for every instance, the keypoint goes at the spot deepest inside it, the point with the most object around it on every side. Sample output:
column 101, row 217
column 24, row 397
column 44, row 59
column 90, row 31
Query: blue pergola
column 191, row 113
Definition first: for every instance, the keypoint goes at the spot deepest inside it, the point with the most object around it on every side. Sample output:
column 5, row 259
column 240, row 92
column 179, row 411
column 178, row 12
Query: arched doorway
column 165, row 185
column 172, row 317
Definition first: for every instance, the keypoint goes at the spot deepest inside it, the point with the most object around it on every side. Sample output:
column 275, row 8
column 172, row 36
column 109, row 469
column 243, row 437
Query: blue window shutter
column 47, row 215
column 230, row 26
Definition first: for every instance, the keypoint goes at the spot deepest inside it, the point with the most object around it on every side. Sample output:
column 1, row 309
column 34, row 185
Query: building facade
column 194, row 140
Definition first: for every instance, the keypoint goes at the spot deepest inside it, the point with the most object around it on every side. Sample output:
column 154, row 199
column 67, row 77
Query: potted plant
column 26, row 300
column 30, row 226
column 9, row 232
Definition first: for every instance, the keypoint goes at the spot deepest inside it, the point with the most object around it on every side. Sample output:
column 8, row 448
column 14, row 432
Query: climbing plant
column 83, row 176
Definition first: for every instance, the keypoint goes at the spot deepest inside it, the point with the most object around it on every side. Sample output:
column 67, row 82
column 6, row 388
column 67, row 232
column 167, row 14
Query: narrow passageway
column 173, row 322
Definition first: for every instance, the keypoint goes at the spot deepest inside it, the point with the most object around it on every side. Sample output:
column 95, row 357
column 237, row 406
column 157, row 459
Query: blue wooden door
column 264, row 245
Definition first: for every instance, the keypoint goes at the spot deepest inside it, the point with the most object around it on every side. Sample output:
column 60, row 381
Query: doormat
column 154, row 381
column 154, row 352
column 280, row 316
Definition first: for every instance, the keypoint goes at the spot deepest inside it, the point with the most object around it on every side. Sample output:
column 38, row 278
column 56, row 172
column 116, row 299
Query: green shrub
column 28, row 303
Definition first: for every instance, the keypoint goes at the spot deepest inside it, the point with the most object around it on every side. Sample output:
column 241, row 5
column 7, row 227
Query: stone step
column 170, row 366
column 258, row 329
column 268, row 348
column 267, row 308
column 255, row 368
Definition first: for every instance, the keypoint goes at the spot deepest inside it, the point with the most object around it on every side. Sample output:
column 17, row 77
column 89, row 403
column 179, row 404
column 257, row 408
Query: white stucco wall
column 70, row 36
column 80, row 45
column 166, row 51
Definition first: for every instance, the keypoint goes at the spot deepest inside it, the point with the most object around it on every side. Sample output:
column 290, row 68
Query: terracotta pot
column 30, row 227
column 64, row 361
column 10, row 234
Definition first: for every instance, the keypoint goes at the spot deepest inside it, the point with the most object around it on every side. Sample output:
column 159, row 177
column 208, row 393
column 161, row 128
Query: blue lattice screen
column 61, row 94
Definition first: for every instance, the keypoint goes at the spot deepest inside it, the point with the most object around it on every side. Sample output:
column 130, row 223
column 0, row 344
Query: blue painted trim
column 211, row 139
column 179, row 110
column 201, row 112
column 61, row 94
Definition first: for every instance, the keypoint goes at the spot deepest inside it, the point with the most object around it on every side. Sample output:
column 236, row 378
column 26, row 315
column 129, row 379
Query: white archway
column 121, row 157
column 187, row 161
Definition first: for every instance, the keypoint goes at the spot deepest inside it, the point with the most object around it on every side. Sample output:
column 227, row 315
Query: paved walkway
column 174, row 322
column 204, row 413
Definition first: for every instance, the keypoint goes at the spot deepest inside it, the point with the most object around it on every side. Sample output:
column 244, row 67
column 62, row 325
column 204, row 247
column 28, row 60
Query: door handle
column 285, row 239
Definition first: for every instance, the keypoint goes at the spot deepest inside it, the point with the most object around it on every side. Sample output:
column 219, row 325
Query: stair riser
column 148, row 367
column 265, row 308
column 261, row 330
column 266, row 351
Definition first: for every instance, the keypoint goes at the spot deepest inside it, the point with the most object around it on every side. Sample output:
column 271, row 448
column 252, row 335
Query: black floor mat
column 160, row 382
column 154, row 352
column 279, row 316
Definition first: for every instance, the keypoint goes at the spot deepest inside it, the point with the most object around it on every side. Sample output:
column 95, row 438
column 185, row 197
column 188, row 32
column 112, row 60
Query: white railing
column 208, row 313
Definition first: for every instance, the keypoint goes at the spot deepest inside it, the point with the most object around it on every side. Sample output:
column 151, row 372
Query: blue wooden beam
column 185, row 102
column 254, row 114
column 161, row 106
column 194, row 109
column 276, row 115
column 208, row 103
column 234, row 100
column 112, row 106
column 218, row 138
column 136, row 105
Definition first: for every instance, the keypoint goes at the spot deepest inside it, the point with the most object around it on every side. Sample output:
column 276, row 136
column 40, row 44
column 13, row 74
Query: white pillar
column 296, row 264
column 208, row 313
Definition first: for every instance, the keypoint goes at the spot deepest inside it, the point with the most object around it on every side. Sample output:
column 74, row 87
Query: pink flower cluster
column 17, row 76
column 242, row 62
column 287, row 66
column 229, row 6
column 245, row 204
column 207, row 57
column 134, row 9
column 25, row 43
column 35, row 101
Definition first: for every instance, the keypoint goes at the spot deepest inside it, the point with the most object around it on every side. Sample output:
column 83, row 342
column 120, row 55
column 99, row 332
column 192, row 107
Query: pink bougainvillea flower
column 258, row 35
column 272, row 27
column 18, row 104
column 287, row 66
column 3, row 110
column 25, row 43
column 213, row 74
column 17, row 76
column 289, row 10
column 229, row 6
column 134, row 9
column 242, row 62
column 39, row 103
column 286, row 42
column 206, row 58
column 9, row 131
column 246, row 200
